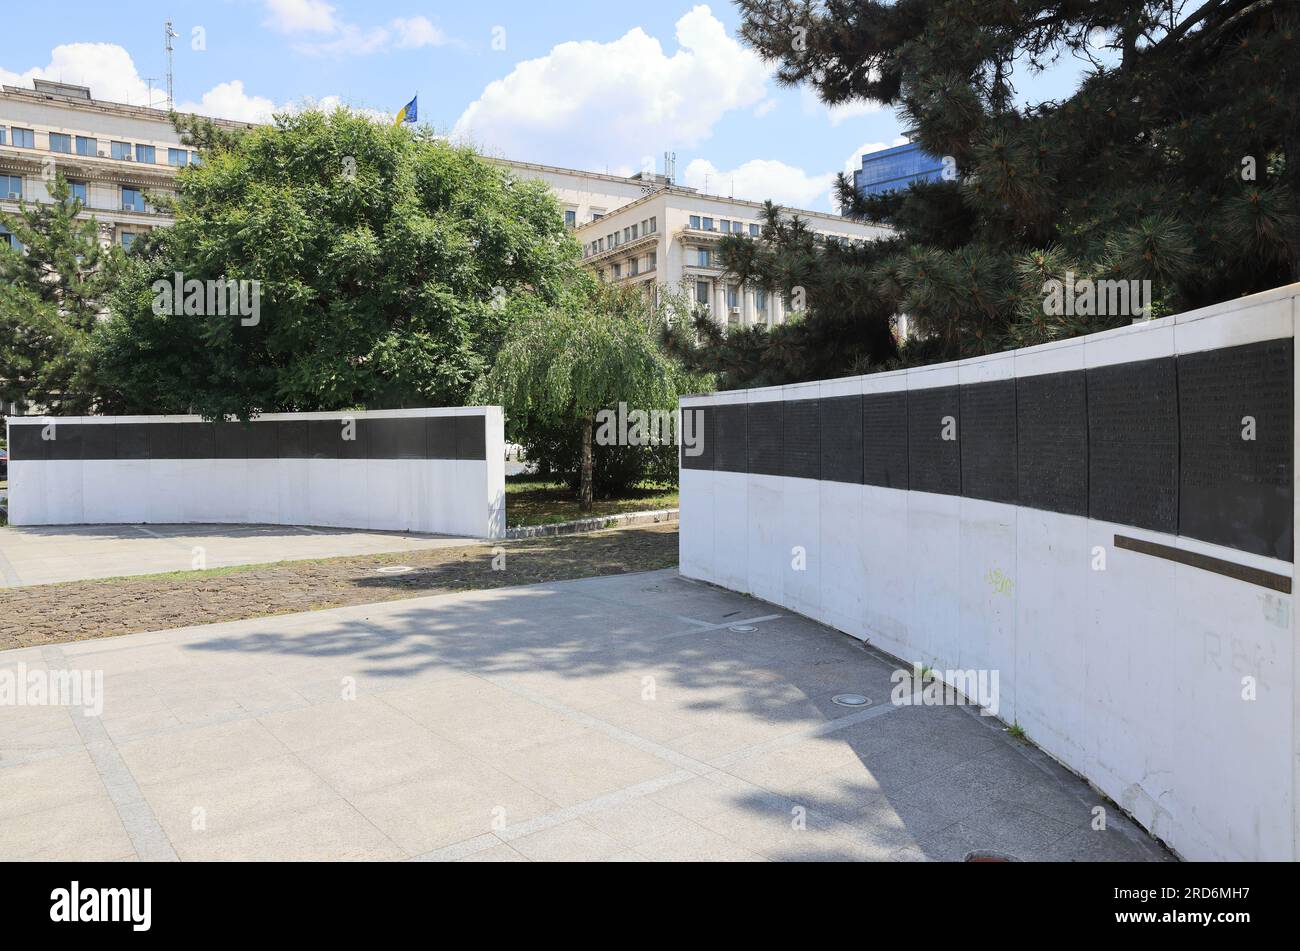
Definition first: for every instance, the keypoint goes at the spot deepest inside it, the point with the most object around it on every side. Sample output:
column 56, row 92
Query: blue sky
column 594, row 85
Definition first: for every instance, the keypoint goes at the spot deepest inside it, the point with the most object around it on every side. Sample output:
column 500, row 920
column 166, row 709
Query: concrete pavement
column 31, row 556
column 613, row 718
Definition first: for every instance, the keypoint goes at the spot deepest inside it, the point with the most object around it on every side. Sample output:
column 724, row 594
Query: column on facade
column 720, row 295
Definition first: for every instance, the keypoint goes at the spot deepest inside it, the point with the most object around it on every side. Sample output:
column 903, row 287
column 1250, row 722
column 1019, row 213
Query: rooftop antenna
column 168, row 35
column 150, row 80
column 670, row 167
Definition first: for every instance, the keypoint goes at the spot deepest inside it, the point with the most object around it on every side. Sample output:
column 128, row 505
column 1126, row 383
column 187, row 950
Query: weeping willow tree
column 561, row 365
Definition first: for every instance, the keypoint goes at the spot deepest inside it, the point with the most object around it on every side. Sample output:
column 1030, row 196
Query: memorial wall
column 438, row 471
column 1108, row 522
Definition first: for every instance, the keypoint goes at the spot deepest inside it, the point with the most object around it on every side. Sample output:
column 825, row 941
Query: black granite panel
column 440, row 437
column 933, row 440
column 1236, row 411
column 803, row 442
column 884, row 439
column 766, row 438
column 841, row 431
column 1133, row 444
column 471, row 437
column 696, row 429
column 1052, row 423
column 293, row 439
column 731, row 437
column 988, row 441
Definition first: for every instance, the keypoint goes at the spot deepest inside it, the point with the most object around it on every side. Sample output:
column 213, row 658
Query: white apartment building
column 112, row 155
column 644, row 231
column 669, row 238
column 636, row 229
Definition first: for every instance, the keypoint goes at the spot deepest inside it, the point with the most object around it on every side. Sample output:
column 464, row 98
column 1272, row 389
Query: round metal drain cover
column 850, row 700
column 395, row 570
column 742, row 629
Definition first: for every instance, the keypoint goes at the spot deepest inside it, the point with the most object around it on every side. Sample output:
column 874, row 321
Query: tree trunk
column 585, row 493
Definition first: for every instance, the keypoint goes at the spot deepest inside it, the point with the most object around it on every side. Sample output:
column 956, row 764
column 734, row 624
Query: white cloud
column 105, row 67
column 229, row 101
column 112, row 76
column 415, row 32
column 301, row 16
column 598, row 104
column 759, row 180
column 341, row 38
column 764, row 107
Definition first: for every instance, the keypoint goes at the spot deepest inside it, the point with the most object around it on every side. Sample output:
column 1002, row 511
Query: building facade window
column 8, row 240
column 570, row 218
column 121, row 151
column 11, row 187
column 196, row 159
column 79, row 191
column 618, row 270
column 132, row 199
column 654, row 225
column 896, row 169
column 178, row 157
column 755, row 231
column 702, row 257
column 695, row 222
column 706, row 224
column 702, row 292
column 760, row 300
column 128, row 239
column 4, row 135
column 87, row 146
column 652, row 260
column 23, row 138
column 633, row 267
column 733, row 296
column 60, row 142
column 147, row 154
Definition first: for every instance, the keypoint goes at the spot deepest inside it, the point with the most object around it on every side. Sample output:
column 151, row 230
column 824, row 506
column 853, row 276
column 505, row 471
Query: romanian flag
column 410, row 113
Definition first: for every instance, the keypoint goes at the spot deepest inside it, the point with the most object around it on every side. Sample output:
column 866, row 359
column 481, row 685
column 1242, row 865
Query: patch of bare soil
column 51, row 614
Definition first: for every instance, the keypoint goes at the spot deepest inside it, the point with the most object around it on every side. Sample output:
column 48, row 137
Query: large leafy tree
column 51, row 296
column 1175, row 160
column 389, row 263
column 560, row 365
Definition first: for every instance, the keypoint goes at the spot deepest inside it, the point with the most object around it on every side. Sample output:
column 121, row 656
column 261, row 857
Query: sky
column 592, row 85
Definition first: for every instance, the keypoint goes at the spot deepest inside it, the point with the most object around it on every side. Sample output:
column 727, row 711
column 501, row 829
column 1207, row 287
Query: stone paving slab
column 609, row 719
column 36, row 556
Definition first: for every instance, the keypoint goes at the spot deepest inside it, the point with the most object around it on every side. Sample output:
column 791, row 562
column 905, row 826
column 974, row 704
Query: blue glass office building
column 896, row 168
